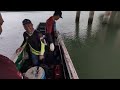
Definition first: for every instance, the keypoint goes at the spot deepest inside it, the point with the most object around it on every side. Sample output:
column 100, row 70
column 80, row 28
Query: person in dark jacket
column 32, row 39
column 51, row 28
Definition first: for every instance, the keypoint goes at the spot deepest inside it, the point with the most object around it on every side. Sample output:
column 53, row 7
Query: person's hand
column 41, row 57
column 52, row 47
column 19, row 49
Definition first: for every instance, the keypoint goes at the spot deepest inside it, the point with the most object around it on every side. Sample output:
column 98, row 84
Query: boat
column 63, row 67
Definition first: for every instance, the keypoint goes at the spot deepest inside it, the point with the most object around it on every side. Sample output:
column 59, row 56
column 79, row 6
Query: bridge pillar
column 77, row 16
column 90, row 19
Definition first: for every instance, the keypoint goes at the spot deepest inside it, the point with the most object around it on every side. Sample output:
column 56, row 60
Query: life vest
column 38, row 52
column 32, row 38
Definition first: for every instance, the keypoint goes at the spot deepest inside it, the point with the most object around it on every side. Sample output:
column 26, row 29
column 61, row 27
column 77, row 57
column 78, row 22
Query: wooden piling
column 90, row 19
column 113, row 17
column 106, row 17
column 77, row 16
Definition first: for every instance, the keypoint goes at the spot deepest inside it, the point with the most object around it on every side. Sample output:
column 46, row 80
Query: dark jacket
column 33, row 40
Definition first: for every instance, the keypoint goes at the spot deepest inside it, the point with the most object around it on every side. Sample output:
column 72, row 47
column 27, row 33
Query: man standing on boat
column 34, row 42
column 51, row 28
column 1, row 22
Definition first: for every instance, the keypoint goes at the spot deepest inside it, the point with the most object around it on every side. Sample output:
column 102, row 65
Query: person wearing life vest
column 51, row 28
column 33, row 40
column 1, row 22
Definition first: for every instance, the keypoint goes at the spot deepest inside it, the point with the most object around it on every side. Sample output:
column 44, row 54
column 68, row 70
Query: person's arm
column 49, row 27
column 23, row 43
column 49, row 38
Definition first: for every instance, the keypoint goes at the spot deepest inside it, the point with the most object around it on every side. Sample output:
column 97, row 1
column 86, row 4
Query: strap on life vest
column 42, row 48
column 24, row 45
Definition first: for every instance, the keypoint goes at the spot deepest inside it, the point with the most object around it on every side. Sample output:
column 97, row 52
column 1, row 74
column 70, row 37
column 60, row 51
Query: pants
column 49, row 57
column 35, row 59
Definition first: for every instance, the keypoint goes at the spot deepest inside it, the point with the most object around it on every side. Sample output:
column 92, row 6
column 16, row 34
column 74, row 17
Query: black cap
column 58, row 13
column 26, row 21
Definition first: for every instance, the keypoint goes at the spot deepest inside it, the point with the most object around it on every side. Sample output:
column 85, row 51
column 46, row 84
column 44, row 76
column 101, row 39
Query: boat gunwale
column 68, row 61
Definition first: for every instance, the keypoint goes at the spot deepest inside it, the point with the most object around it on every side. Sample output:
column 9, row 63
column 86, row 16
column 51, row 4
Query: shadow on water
column 89, row 28
column 76, row 30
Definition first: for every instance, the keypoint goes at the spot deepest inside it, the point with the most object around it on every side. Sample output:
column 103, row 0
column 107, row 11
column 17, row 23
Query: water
column 94, row 50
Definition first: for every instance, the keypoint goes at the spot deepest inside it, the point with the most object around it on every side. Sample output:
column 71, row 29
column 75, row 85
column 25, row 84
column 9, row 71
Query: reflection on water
column 77, row 31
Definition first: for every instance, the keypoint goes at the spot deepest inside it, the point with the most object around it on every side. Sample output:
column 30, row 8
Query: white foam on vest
column 31, row 73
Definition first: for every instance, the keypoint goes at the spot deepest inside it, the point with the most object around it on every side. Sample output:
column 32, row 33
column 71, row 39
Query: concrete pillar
column 90, row 19
column 106, row 17
column 113, row 18
column 117, row 18
column 77, row 16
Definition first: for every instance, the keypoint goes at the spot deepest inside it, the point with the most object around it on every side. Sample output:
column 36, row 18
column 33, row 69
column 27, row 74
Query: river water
column 94, row 49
